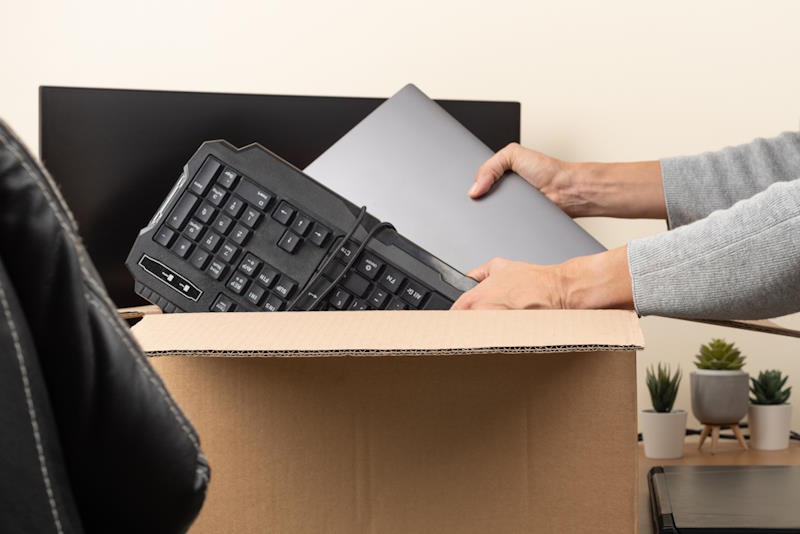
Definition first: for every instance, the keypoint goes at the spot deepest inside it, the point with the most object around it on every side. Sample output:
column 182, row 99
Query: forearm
column 696, row 186
column 626, row 190
column 738, row 263
column 597, row 281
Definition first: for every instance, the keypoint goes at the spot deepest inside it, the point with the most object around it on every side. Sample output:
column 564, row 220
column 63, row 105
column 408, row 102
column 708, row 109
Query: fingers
column 492, row 170
column 479, row 273
column 476, row 298
column 464, row 302
column 483, row 272
column 472, row 298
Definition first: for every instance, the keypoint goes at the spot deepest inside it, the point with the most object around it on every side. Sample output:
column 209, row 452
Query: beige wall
column 607, row 80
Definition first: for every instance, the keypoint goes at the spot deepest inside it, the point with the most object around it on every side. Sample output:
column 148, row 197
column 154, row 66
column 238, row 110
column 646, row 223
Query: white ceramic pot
column 769, row 426
column 663, row 433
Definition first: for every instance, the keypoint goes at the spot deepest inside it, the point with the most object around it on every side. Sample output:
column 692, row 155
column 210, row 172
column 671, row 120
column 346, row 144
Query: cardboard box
column 480, row 421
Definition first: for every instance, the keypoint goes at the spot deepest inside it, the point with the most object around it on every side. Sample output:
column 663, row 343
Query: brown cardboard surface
column 394, row 332
column 510, row 440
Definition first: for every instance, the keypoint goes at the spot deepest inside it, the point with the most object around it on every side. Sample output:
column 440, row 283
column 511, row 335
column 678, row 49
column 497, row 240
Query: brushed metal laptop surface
column 411, row 163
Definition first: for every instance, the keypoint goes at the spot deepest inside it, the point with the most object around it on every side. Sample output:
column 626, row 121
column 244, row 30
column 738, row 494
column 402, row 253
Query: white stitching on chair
column 106, row 304
column 146, row 368
column 23, row 370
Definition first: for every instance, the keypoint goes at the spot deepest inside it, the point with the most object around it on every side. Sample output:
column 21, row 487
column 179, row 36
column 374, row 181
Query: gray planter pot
column 719, row 397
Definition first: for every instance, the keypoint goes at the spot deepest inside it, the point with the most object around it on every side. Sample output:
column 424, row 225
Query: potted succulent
column 769, row 416
column 663, row 429
column 719, row 387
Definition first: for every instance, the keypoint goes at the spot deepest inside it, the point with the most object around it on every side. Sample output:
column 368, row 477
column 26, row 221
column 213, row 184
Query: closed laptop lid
column 731, row 499
column 411, row 163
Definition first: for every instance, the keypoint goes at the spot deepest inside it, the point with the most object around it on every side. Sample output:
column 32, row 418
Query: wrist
column 597, row 281
column 583, row 188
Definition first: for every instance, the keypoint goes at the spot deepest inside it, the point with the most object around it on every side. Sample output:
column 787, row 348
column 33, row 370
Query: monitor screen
column 116, row 153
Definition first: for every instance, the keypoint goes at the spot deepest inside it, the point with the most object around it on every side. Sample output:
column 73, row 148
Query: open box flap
column 388, row 333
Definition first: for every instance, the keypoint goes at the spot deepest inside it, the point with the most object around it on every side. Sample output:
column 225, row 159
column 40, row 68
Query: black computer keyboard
column 243, row 230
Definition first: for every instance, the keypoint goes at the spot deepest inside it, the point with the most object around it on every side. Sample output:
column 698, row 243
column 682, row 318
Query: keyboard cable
column 371, row 234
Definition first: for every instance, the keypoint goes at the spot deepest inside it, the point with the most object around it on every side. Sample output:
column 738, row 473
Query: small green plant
column 663, row 386
column 768, row 388
column 719, row 355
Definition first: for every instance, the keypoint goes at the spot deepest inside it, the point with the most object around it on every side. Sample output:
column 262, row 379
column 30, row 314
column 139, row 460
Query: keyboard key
column 216, row 269
column 200, row 258
column 413, row 293
column 205, row 213
column 356, row 284
column 228, row 252
column 237, row 283
column 250, row 217
column 179, row 214
column 396, row 304
column 194, row 230
column 204, row 176
column 437, row 302
column 222, row 223
column 332, row 270
column 285, row 287
column 274, row 303
column 240, row 234
column 223, row 304
column 283, row 213
column 378, row 298
column 255, row 294
column 392, row 279
column 211, row 241
column 319, row 234
column 369, row 266
column 182, row 247
column 289, row 242
column 311, row 294
column 346, row 251
column 358, row 305
column 217, row 195
column 302, row 224
column 267, row 276
column 253, row 194
column 227, row 178
column 340, row 299
column 164, row 236
column 234, row 206
column 250, row 265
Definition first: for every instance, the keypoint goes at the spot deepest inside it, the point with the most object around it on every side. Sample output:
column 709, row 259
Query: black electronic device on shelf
column 243, row 230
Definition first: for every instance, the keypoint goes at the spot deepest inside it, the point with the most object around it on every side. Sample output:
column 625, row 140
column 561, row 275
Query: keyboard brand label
column 170, row 277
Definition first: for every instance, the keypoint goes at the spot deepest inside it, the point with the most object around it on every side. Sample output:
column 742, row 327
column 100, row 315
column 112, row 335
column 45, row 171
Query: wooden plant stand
column 714, row 431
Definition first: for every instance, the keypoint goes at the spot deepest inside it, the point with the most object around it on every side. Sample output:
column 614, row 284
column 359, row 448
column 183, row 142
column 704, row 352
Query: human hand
column 547, row 174
column 506, row 284
column 588, row 282
column 630, row 190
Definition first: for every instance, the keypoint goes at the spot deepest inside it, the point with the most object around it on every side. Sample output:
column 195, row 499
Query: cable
column 372, row 233
column 377, row 228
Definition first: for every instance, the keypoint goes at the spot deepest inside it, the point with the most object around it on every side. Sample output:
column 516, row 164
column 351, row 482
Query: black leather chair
column 90, row 439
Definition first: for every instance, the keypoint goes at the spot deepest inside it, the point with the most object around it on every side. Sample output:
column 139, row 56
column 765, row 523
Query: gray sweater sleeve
column 695, row 186
column 738, row 263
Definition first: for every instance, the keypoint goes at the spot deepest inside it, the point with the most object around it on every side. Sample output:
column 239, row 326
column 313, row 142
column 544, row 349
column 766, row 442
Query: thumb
column 481, row 273
column 492, row 170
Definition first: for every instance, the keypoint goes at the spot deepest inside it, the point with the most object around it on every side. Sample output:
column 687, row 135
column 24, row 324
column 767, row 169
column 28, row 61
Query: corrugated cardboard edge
column 388, row 333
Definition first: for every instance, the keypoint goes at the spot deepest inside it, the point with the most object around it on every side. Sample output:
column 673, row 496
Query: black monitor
column 116, row 153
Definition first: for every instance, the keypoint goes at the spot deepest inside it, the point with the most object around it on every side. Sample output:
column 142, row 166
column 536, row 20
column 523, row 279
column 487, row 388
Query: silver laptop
column 411, row 163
